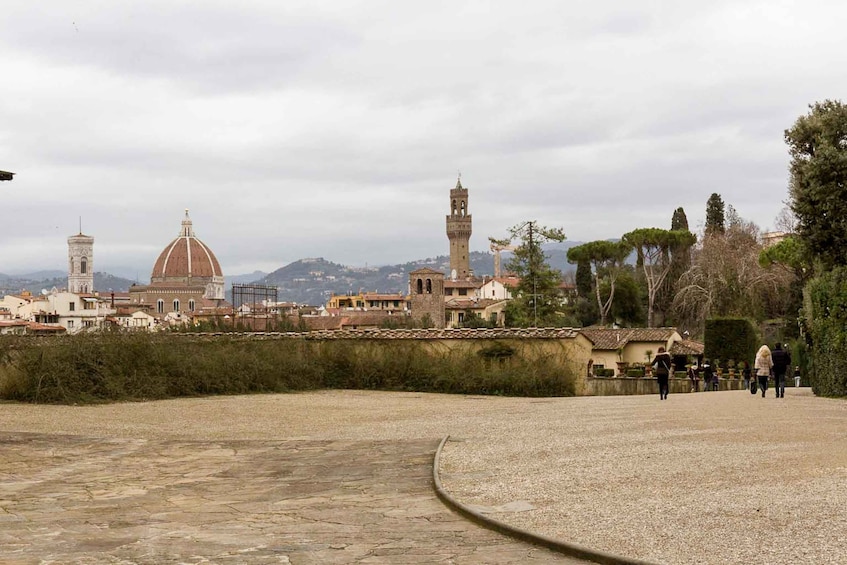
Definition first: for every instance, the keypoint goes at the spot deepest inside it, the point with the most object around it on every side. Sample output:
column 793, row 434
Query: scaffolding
column 255, row 301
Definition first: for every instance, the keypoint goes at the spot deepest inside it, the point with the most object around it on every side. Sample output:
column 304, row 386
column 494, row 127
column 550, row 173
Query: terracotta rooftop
column 432, row 333
column 687, row 347
column 610, row 338
column 448, row 283
column 186, row 257
column 468, row 303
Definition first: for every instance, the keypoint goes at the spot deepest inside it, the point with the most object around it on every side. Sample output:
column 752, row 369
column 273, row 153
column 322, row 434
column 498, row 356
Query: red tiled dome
column 186, row 258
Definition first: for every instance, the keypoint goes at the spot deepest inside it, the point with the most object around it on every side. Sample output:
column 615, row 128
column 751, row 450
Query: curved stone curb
column 566, row 548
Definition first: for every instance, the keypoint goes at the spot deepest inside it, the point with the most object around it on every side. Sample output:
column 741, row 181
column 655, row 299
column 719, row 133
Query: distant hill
column 307, row 281
column 312, row 281
column 34, row 282
column 248, row 278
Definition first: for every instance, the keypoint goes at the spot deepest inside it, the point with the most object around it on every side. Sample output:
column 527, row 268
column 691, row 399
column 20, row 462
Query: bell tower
column 81, row 263
column 459, row 233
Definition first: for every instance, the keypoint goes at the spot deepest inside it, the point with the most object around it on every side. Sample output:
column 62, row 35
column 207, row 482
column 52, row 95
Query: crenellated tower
column 459, row 233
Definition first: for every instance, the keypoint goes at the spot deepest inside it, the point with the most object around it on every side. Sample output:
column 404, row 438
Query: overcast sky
column 336, row 129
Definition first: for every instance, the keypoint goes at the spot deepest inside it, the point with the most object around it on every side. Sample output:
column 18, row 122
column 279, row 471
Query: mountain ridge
column 305, row 281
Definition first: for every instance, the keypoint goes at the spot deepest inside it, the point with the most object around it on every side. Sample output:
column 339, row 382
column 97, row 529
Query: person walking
column 746, row 372
column 781, row 361
column 764, row 365
column 662, row 366
column 707, row 375
column 694, row 377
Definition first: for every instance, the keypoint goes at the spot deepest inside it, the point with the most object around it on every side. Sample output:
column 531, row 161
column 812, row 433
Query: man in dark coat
column 781, row 362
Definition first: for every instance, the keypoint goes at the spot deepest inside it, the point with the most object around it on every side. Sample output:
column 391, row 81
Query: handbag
column 753, row 386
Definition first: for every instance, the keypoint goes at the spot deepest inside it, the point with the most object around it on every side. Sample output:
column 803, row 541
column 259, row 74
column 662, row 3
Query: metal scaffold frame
column 257, row 297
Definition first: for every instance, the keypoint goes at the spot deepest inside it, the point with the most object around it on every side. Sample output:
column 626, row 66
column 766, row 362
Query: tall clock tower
column 459, row 233
column 81, row 263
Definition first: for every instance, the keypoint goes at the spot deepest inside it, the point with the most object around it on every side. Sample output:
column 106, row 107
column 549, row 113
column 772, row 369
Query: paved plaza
column 346, row 477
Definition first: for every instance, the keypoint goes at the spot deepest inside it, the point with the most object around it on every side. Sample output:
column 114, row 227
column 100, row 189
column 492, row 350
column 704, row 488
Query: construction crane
column 496, row 248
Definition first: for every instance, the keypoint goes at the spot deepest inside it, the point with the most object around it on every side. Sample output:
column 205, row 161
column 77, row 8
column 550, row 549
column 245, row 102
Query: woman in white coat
column 764, row 365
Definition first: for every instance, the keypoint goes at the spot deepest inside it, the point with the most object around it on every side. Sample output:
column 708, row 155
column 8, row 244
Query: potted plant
column 621, row 365
column 648, row 368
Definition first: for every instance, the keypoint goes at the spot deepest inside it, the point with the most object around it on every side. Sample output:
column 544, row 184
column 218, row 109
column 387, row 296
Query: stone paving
column 77, row 499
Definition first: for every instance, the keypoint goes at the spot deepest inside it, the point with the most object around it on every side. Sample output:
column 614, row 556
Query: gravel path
column 722, row 477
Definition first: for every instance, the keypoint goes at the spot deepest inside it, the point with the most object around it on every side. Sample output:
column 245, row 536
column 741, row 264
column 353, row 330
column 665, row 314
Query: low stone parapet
column 622, row 386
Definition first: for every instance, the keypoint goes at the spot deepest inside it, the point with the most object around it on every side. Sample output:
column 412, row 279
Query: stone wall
column 616, row 386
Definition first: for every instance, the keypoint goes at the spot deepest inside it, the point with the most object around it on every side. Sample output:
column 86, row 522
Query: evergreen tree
column 584, row 280
column 607, row 259
column 679, row 221
column 680, row 263
column 536, row 298
column 654, row 246
column 715, row 220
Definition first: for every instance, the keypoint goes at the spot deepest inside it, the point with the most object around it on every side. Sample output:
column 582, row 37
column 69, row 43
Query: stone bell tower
column 459, row 233
column 81, row 263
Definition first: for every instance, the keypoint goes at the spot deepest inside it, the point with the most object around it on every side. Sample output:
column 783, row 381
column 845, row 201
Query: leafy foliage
column 628, row 307
column 654, row 246
column 607, row 259
column 584, row 281
column 817, row 144
column 826, row 305
column 536, row 297
column 731, row 338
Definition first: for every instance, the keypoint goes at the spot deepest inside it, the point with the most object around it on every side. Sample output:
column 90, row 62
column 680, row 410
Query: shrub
column 730, row 338
column 826, row 307
column 133, row 366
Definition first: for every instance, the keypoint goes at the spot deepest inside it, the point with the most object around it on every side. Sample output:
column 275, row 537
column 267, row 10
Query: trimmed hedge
column 109, row 367
column 731, row 338
column 826, row 308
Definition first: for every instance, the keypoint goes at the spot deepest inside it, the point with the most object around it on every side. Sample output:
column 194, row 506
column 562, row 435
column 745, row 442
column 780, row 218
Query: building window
column 191, row 306
column 72, row 306
column 429, row 286
column 461, row 317
column 70, row 324
column 420, row 286
column 176, row 305
column 463, row 292
column 160, row 306
column 83, row 266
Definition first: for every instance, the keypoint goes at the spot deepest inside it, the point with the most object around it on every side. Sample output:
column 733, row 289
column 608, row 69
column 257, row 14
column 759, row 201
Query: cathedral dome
column 186, row 259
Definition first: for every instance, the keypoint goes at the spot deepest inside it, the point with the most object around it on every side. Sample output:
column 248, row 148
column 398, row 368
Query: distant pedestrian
column 797, row 376
column 746, row 372
column 781, row 362
column 764, row 366
column 662, row 366
column 707, row 375
column 694, row 377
